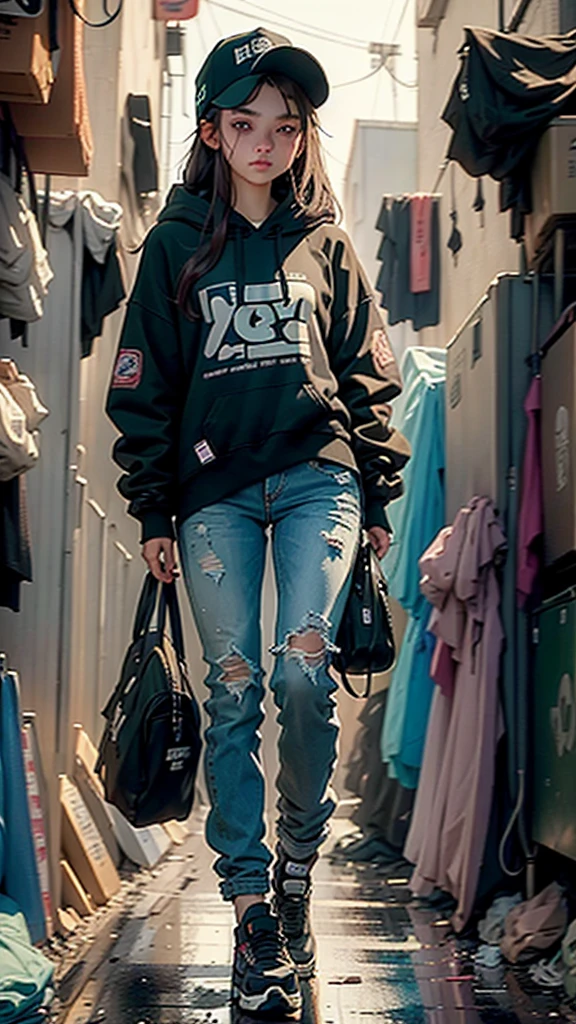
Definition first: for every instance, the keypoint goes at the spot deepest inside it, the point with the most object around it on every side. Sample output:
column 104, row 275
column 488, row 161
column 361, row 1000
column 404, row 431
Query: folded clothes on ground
column 491, row 928
column 25, row 973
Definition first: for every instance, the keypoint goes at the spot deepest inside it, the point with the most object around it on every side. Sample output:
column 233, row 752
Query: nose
column 264, row 145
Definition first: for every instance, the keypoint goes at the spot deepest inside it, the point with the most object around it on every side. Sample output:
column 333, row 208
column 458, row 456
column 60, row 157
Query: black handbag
column 149, row 752
column 365, row 636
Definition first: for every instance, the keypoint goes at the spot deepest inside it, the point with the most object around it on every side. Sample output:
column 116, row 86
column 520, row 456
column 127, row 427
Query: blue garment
column 314, row 512
column 20, row 871
column 415, row 518
column 25, row 973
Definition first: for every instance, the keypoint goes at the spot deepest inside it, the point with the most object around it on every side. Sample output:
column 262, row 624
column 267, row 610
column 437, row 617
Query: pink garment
column 531, row 519
column 450, row 819
column 443, row 668
column 420, row 243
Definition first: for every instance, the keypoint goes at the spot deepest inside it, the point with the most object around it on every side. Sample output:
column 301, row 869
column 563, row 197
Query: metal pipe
column 501, row 16
column 518, row 15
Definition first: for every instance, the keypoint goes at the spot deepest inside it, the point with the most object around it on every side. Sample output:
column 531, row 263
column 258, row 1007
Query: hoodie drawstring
column 240, row 236
column 277, row 231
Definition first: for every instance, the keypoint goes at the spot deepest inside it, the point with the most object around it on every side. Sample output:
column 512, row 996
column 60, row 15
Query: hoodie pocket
column 248, row 420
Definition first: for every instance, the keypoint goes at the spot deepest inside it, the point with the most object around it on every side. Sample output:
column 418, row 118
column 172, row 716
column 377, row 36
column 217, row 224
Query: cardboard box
column 73, row 894
column 37, row 819
column 84, row 847
column 92, row 792
column 26, row 74
column 58, row 137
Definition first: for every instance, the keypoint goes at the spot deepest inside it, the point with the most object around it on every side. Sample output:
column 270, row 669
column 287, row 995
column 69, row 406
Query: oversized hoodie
column 286, row 360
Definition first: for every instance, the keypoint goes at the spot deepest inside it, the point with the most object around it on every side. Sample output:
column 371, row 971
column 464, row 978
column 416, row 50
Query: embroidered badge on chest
column 382, row 355
column 128, row 369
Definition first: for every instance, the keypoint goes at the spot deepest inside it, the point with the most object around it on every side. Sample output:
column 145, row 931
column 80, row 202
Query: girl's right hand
column 158, row 553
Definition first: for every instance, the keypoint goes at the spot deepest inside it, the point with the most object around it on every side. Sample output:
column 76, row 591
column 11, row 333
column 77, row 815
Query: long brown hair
column 207, row 173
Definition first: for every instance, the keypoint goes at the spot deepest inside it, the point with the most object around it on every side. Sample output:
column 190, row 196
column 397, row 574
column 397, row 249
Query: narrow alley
column 287, row 511
column 382, row 957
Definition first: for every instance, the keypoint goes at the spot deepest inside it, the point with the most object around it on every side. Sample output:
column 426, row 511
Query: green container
column 554, row 725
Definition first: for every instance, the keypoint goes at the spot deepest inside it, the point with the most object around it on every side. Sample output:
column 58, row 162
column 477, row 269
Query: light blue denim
column 313, row 514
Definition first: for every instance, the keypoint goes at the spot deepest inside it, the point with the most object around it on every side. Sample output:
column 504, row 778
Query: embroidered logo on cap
column 256, row 46
column 204, row 452
column 128, row 369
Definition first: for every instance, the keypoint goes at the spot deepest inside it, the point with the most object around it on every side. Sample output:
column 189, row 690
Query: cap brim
column 237, row 93
column 300, row 66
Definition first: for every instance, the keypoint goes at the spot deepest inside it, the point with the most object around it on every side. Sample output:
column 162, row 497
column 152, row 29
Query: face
column 260, row 140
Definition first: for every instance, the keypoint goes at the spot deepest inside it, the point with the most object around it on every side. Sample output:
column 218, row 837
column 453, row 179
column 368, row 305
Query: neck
column 254, row 202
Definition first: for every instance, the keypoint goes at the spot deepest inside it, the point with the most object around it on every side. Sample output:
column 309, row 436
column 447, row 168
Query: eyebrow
column 254, row 113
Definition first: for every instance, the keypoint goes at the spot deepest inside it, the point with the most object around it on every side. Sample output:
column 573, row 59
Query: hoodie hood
column 288, row 218
column 286, row 225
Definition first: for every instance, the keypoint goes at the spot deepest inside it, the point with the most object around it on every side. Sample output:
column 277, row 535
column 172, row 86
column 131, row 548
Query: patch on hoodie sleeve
column 382, row 355
column 128, row 369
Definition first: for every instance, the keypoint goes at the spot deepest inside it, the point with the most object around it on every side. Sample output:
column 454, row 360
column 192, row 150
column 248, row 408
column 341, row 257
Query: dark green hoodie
column 286, row 361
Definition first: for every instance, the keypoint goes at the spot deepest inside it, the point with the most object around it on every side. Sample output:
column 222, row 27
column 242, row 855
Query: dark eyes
column 245, row 126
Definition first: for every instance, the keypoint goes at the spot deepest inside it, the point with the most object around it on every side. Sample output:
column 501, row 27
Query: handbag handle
column 348, row 685
column 146, row 605
column 169, row 600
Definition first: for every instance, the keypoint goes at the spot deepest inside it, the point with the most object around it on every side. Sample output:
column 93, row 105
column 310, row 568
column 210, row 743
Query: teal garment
column 25, row 973
column 20, row 879
column 415, row 518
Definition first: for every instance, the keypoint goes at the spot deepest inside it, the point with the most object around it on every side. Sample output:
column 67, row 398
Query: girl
column 251, row 392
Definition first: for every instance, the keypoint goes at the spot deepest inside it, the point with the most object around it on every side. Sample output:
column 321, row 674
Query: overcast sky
column 316, row 25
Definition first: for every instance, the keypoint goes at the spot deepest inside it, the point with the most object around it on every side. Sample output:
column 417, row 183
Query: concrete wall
column 383, row 160
column 71, row 634
column 487, row 246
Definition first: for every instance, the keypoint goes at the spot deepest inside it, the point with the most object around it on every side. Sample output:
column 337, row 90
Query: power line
column 303, row 24
column 279, row 24
column 354, row 81
column 405, row 85
column 400, row 20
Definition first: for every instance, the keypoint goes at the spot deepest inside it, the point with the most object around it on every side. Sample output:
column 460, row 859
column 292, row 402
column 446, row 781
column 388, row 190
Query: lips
column 261, row 164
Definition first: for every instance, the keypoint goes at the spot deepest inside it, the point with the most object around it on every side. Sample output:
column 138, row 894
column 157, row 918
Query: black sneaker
column 264, row 982
column 292, row 888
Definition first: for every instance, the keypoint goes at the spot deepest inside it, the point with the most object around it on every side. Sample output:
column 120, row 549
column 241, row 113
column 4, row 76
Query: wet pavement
column 380, row 958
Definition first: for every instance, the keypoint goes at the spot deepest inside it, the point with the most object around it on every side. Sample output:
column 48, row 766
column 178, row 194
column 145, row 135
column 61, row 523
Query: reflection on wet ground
column 380, row 959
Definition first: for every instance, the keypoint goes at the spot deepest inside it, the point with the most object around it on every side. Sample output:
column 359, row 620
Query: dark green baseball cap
column 236, row 65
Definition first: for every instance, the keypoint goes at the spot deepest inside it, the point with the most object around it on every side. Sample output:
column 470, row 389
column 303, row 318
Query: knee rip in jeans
column 310, row 645
column 237, row 674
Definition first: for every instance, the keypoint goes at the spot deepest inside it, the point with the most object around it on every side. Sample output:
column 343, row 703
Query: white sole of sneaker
column 258, row 1003
column 305, row 970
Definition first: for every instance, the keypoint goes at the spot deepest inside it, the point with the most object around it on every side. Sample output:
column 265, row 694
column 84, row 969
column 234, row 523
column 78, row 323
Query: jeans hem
column 298, row 850
column 230, row 890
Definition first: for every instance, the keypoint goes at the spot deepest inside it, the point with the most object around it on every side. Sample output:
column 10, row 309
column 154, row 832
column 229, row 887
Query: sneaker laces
column 269, row 946
column 294, row 914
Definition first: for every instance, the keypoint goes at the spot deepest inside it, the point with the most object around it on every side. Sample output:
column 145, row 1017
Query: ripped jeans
column 313, row 511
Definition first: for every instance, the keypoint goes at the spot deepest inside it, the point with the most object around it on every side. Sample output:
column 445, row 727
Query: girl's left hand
column 380, row 540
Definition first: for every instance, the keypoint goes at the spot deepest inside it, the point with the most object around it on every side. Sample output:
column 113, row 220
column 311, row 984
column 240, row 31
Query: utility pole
column 383, row 55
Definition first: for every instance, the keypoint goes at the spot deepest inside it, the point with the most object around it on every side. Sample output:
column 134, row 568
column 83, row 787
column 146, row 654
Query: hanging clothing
column 102, row 279
column 415, row 519
column 452, row 810
column 531, row 518
column 19, row 874
column 398, row 256
column 420, row 244
column 508, row 89
column 15, row 545
column 102, row 292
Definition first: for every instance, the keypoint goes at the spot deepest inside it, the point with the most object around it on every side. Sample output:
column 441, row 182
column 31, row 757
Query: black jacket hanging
column 508, row 89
